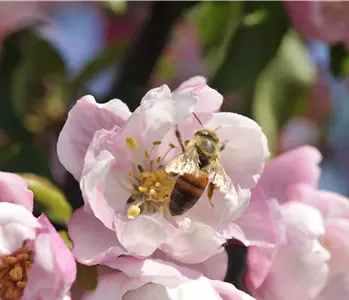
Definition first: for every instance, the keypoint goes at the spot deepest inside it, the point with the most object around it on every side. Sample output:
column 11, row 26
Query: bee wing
column 187, row 162
column 218, row 177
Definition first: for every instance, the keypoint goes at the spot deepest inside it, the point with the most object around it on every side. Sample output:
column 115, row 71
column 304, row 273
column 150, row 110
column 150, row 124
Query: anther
column 11, row 260
column 158, row 184
column 146, row 154
column 21, row 284
column 131, row 143
column 130, row 173
column 16, row 273
column 156, row 143
column 133, row 211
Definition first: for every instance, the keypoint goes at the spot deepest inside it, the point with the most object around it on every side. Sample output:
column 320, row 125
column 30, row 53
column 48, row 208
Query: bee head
column 207, row 141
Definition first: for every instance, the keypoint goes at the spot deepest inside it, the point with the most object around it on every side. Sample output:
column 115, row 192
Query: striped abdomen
column 187, row 191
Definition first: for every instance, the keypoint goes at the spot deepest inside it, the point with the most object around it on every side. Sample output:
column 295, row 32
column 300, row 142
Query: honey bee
column 198, row 167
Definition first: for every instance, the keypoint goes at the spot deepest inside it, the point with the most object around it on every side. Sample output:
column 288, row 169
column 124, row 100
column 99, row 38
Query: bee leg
column 222, row 145
column 211, row 187
column 179, row 138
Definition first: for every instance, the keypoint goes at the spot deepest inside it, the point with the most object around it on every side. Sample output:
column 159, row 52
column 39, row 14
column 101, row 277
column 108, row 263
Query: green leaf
column 216, row 22
column 253, row 46
column 282, row 87
column 49, row 197
column 87, row 276
column 10, row 123
column 339, row 62
column 37, row 83
column 117, row 7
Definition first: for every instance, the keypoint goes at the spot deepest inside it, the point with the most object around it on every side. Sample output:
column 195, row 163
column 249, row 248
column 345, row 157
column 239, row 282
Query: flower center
column 152, row 187
column 14, row 272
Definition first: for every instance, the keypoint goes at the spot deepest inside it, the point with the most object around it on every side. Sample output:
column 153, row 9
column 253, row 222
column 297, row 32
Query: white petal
column 17, row 224
column 304, row 224
column 101, row 187
column 141, row 236
column 296, row 275
column 93, row 243
column 84, row 119
column 246, row 150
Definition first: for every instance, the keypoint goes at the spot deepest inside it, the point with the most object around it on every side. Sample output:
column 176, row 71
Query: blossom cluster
column 296, row 236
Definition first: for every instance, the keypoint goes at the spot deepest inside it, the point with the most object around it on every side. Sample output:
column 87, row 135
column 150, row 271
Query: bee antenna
column 220, row 126
column 196, row 117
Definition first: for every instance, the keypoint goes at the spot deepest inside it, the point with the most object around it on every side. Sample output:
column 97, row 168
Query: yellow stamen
column 131, row 143
column 130, row 173
column 133, row 211
column 14, row 274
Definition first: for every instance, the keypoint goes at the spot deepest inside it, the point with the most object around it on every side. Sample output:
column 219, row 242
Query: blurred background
column 283, row 64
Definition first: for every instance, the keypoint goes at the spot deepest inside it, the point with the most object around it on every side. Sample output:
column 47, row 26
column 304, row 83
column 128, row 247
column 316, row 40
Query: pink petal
column 192, row 242
column 101, row 186
column 209, row 100
column 304, row 224
column 259, row 261
column 14, row 189
column 295, row 275
column 229, row 292
column 93, row 243
column 224, row 212
column 336, row 241
column 54, row 269
column 153, row 119
column 336, row 288
column 141, row 236
column 297, row 166
column 261, row 223
column 215, row 267
column 246, row 150
column 155, row 271
column 84, row 119
column 17, row 224
column 330, row 204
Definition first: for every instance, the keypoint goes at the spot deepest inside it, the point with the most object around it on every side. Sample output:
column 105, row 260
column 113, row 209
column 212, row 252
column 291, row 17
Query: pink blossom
column 322, row 20
column 299, row 268
column 116, row 154
column 134, row 278
column 40, row 265
column 335, row 211
column 262, row 227
column 297, row 229
column 14, row 189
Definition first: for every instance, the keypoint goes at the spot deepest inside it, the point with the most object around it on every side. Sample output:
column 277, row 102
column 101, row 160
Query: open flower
column 35, row 263
column 335, row 211
column 133, row 279
column 39, row 265
column 297, row 267
column 119, row 157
